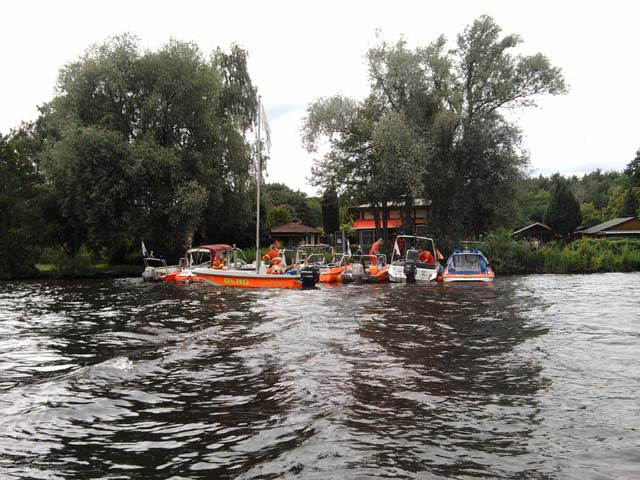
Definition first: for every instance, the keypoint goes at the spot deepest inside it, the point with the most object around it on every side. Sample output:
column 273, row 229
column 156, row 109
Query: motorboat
column 217, row 256
column 249, row 276
column 258, row 276
column 155, row 269
column 414, row 259
column 468, row 266
column 365, row 269
column 335, row 268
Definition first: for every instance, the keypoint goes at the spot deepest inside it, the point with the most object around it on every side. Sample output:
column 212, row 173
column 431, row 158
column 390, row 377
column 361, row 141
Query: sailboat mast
column 258, row 178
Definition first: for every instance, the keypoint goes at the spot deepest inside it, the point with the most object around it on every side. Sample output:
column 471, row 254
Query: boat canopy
column 215, row 248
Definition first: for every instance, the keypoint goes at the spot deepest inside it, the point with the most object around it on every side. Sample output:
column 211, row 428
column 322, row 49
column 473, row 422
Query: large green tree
column 433, row 126
column 150, row 145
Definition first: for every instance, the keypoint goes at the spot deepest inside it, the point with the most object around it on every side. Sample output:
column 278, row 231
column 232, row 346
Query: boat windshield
column 408, row 243
column 468, row 263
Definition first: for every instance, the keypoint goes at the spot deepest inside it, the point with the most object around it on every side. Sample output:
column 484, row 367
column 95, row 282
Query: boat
column 257, row 276
column 363, row 269
column 216, row 256
column 468, row 266
column 414, row 259
column 155, row 269
column 238, row 275
column 335, row 268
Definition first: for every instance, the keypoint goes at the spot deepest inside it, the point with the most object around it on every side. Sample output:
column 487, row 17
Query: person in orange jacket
column 276, row 266
column 218, row 262
column 271, row 254
column 375, row 249
column 426, row 257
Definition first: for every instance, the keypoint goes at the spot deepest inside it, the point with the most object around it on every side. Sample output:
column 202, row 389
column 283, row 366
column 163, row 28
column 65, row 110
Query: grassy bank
column 583, row 256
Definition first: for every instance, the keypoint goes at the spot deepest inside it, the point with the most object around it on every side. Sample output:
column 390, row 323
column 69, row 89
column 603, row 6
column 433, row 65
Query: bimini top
column 215, row 248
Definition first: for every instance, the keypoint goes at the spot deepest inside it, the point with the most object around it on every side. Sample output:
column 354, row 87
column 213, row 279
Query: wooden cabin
column 627, row 227
column 538, row 232
column 295, row 234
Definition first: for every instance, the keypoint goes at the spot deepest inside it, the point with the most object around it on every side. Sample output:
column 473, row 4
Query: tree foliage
column 149, row 145
column 433, row 127
column 21, row 224
column 563, row 214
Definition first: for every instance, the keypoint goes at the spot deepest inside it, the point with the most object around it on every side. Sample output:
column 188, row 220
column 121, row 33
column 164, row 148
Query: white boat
column 468, row 266
column 408, row 260
column 155, row 269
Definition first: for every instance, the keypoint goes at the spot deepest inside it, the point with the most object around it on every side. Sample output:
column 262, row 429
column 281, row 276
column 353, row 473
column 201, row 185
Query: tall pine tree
column 563, row 214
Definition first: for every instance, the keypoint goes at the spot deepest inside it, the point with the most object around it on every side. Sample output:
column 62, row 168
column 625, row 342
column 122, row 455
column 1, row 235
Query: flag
column 144, row 251
column 396, row 249
column 265, row 125
column 348, row 247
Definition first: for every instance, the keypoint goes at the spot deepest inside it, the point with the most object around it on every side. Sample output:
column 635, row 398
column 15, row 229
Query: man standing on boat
column 271, row 254
column 375, row 250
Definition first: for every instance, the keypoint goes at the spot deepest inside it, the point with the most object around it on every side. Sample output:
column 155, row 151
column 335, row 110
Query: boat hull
column 242, row 279
column 332, row 275
column 423, row 275
column 183, row 276
column 467, row 277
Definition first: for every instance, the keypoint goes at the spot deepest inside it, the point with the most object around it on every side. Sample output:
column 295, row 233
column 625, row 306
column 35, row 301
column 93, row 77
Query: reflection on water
column 529, row 377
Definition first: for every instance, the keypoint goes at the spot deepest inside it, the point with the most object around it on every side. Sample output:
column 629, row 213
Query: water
column 530, row 377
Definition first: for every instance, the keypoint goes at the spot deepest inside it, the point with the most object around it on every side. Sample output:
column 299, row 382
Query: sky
column 302, row 51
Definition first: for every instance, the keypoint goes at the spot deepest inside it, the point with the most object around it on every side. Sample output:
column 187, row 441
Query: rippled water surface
column 530, row 377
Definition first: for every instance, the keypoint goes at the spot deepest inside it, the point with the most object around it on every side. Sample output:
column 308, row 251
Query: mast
column 258, row 178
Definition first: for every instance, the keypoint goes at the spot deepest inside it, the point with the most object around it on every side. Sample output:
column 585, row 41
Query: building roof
column 606, row 225
column 294, row 228
column 532, row 226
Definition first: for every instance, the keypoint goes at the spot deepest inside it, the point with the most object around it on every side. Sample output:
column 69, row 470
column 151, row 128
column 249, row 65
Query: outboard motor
column 309, row 276
column 411, row 265
column 357, row 273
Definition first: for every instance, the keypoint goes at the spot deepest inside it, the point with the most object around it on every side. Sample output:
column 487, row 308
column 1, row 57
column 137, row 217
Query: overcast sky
column 300, row 51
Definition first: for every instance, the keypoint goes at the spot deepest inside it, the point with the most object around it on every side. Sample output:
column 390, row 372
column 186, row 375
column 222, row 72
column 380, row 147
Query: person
column 276, row 266
column 401, row 245
column 218, row 262
column 426, row 257
column 358, row 250
column 375, row 250
column 271, row 254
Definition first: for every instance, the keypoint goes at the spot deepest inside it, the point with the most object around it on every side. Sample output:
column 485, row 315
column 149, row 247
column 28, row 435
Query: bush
column 582, row 256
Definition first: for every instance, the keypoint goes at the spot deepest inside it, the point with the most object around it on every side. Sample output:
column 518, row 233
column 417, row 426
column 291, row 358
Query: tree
column 590, row 215
column 301, row 207
column 330, row 212
column 563, row 215
column 432, row 126
column 150, row 144
column 20, row 214
column 633, row 170
column 278, row 215
column 631, row 202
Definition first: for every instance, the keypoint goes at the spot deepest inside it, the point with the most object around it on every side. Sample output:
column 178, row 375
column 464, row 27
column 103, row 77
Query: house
column 296, row 233
column 417, row 224
column 537, row 231
column 627, row 227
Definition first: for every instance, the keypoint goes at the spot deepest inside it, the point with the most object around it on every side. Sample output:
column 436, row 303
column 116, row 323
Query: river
column 528, row 377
